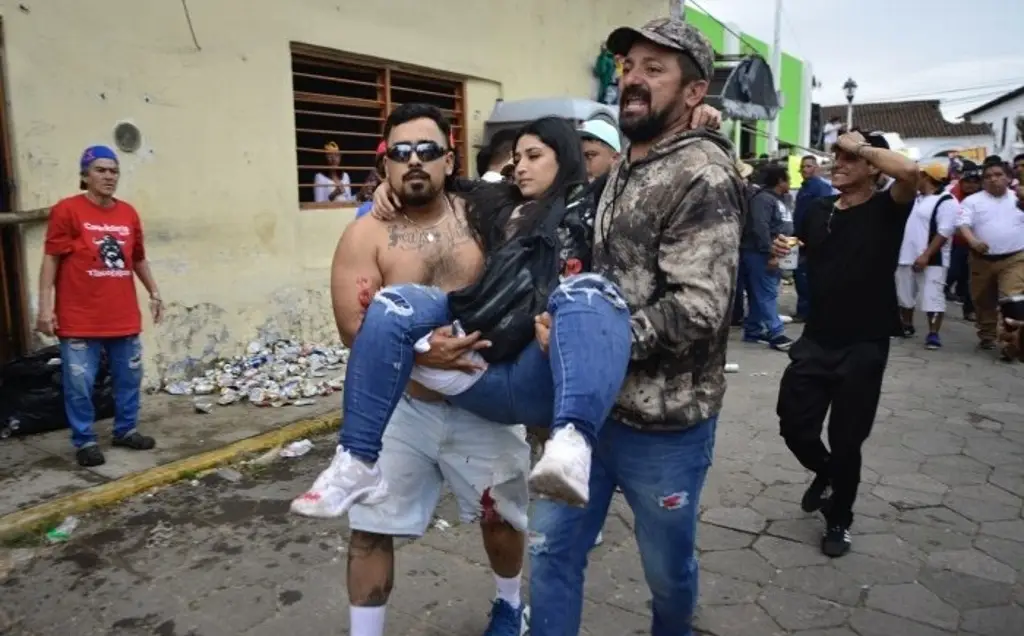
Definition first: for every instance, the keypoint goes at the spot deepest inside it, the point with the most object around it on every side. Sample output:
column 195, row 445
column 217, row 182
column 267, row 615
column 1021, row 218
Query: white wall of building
column 927, row 147
column 1004, row 117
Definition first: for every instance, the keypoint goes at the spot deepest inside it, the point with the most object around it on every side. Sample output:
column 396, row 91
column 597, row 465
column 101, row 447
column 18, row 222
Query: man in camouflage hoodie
column 667, row 231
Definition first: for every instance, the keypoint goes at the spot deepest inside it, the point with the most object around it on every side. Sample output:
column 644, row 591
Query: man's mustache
column 415, row 174
column 636, row 92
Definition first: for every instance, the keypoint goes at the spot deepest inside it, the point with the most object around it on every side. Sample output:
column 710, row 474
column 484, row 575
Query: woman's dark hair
column 490, row 206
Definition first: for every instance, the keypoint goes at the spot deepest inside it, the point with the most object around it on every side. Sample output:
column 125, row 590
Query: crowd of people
column 471, row 308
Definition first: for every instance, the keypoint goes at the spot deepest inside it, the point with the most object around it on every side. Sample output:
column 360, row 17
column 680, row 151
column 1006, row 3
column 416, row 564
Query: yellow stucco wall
column 215, row 180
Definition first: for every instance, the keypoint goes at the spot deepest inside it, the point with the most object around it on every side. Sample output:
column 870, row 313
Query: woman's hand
column 385, row 203
column 542, row 330
column 448, row 351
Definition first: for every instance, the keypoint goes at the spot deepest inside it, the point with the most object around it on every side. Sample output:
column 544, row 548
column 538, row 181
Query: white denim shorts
column 925, row 291
column 428, row 444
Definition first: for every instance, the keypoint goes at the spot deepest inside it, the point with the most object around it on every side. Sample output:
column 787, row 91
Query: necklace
column 431, row 235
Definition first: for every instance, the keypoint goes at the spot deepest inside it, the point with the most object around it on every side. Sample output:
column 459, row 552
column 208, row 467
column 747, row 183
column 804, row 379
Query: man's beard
column 647, row 127
column 417, row 193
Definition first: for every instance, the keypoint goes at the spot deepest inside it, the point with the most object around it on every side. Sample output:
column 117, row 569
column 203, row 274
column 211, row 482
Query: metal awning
column 742, row 88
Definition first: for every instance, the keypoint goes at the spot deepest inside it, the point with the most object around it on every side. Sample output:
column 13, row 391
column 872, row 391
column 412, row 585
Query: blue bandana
column 92, row 153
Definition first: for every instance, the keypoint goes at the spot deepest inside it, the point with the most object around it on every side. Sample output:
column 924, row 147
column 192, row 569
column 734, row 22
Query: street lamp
column 850, row 88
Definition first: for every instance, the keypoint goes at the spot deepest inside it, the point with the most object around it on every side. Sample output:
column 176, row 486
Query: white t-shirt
column 445, row 381
column 996, row 221
column 915, row 233
column 324, row 186
column 831, row 133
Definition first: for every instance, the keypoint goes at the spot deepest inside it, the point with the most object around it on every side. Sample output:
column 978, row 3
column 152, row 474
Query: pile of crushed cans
column 280, row 373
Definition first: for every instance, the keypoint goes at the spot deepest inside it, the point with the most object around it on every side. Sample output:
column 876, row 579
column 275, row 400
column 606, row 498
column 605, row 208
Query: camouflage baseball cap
column 672, row 34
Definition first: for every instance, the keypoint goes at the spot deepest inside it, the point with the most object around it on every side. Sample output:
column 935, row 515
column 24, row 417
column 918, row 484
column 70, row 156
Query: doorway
column 14, row 327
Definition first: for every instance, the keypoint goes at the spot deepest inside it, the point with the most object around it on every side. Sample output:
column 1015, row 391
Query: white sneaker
column 599, row 540
column 345, row 482
column 563, row 471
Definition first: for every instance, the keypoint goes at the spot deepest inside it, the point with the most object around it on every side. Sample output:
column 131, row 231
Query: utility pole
column 677, row 9
column 776, row 64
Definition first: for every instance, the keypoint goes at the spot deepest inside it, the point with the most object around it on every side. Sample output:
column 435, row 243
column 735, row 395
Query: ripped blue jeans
column 80, row 361
column 662, row 476
column 576, row 382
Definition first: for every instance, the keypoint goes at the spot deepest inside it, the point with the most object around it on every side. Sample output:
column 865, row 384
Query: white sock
column 366, row 621
column 508, row 590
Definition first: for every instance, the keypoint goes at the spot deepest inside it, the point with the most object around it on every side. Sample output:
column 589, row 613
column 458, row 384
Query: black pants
column 959, row 276
column 849, row 380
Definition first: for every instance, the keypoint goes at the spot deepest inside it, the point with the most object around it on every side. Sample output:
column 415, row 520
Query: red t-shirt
column 97, row 250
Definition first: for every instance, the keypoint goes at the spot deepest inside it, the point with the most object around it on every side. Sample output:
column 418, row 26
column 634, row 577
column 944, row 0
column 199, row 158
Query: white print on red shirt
column 110, row 249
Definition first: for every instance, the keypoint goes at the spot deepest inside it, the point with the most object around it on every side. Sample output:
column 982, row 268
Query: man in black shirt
column 852, row 244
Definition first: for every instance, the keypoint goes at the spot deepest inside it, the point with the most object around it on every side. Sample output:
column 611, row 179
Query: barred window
column 344, row 100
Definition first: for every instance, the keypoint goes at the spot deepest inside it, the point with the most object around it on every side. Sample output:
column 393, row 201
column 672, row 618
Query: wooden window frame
column 386, row 74
column 15, row 305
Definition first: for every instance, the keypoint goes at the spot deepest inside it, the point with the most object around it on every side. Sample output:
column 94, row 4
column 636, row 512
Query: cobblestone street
column 938, row 540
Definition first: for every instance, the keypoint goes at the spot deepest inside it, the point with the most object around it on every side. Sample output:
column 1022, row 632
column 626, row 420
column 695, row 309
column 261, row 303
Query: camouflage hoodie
column 668, row 231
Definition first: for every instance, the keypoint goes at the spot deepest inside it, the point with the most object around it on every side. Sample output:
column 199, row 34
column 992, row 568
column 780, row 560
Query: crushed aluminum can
column 228, row 397
column 303, row 402
column 204, row 387
column 179, row 388
column 270, row 373
column 203, row 406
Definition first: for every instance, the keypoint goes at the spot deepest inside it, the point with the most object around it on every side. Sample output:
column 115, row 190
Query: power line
column 792, row 31
column 973, row 98
column 764, row 135
column 725, row 26
column 1003, row 84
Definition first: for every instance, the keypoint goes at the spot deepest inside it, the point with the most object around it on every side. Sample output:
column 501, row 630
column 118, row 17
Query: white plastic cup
column 790, row 261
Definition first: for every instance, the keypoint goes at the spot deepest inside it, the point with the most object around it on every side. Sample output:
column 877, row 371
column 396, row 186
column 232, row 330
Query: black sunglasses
column 427, row 151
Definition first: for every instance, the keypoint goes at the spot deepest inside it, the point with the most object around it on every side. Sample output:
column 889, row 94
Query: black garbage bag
column 32, row 398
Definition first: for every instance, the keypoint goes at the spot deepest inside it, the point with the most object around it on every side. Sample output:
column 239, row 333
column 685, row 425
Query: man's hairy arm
column 354, row 273
column 698, row 257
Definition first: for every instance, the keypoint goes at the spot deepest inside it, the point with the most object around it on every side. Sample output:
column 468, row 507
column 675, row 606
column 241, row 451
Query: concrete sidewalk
column 938, row 543
column 39, row 468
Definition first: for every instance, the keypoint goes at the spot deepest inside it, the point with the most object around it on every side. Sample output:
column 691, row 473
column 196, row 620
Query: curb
column 38, row 518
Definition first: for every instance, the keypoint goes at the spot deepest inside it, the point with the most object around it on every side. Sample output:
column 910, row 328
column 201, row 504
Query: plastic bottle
column 62, row 533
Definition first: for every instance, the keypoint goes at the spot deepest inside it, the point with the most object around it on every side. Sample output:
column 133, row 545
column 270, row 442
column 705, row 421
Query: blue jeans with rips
column 576, row 382
column 81, row 358
column 762, row 287
column 661, row 476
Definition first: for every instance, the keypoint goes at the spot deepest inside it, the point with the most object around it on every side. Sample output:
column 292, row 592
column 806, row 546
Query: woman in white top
column 335, row 186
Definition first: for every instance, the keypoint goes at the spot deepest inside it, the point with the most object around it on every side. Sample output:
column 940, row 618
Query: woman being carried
column 570, row 386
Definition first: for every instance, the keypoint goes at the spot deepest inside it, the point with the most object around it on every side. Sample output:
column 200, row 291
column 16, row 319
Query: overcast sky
column 962, row 52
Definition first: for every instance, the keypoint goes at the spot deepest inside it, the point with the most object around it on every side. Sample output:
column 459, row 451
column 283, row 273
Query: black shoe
column 89, row 456
column 135, row 441
column 836, row 541
column 909, row 331
column 987, row 345
column 781, row 342
column 816, row 495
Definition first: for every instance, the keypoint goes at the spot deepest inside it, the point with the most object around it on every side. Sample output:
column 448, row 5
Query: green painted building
column 795, row 115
